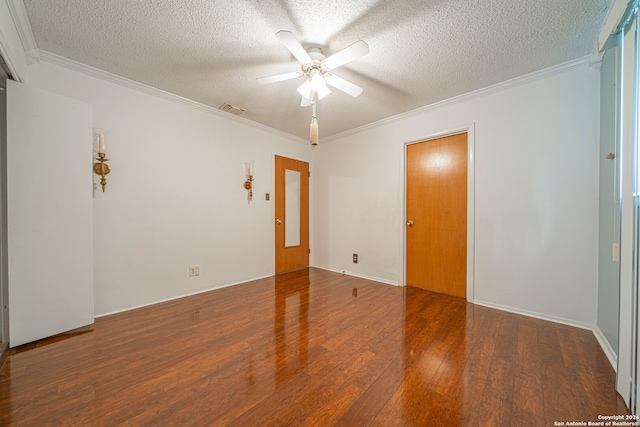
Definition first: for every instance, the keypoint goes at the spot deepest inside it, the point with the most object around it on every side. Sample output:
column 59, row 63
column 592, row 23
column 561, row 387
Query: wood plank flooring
column 311, row 348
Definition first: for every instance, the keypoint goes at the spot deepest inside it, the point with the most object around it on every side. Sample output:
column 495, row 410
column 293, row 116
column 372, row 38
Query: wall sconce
column 248, row 184
column 101, row 168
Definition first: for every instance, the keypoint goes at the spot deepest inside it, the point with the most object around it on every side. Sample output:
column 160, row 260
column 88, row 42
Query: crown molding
column 593, row 61
column 23, row 27
column 149, row 90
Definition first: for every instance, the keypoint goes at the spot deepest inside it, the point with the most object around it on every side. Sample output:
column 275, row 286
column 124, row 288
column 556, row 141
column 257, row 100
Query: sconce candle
column 100, row 143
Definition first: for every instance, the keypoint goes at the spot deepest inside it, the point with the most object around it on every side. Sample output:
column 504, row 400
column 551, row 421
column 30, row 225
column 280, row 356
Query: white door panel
column 49, row 213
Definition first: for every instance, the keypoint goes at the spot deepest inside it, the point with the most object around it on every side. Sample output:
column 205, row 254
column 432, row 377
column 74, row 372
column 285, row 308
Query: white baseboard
column 536, row 315
column 362, row 276
column 606, row 347
column 178, row 297
column 604, row 344
column 376, row 279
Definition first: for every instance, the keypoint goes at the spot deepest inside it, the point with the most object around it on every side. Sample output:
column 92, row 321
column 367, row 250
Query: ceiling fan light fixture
column 305, row 90
column 318, row 82
column 322, row 92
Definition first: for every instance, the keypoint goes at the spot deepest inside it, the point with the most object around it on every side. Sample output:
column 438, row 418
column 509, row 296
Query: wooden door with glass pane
column 292, row 214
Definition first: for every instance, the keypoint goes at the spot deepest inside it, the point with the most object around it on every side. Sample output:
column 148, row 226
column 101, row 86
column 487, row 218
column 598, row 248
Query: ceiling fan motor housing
column 316, row 55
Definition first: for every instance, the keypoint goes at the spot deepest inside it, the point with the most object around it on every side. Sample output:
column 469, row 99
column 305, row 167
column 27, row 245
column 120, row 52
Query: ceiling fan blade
column 294, row 46
column 305, row 102
column 347, row 54
column 343, row 85
column 279, row 77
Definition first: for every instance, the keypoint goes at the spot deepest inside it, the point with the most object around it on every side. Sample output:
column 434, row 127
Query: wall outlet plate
column 194, row 270
column 355, row 258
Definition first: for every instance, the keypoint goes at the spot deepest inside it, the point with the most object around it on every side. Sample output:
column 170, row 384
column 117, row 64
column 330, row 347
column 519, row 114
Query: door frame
column 469, row 129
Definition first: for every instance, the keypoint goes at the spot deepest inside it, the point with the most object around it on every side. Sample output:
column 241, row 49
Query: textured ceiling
column 422, row 51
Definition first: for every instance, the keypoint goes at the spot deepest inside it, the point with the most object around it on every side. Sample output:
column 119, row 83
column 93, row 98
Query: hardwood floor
column 311, row 348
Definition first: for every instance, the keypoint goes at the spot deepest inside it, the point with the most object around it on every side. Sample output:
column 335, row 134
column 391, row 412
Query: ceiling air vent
column 232, row 109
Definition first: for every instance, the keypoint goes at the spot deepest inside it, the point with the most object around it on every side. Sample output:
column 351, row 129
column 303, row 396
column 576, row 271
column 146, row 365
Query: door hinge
column 309, row 250
column 309, row 174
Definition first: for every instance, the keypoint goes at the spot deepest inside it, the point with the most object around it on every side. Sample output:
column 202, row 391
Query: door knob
column 278, row 222
column 409, row 223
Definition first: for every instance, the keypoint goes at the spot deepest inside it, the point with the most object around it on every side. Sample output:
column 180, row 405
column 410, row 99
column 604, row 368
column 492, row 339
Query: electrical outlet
column 355, row 258
column 194, row 270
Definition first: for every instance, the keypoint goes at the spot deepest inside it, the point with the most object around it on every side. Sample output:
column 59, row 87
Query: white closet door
column 49, row 213
column 628, row 377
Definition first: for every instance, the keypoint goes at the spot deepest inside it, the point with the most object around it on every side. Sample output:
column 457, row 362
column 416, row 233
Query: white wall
column 536, row 193
column 175, row 194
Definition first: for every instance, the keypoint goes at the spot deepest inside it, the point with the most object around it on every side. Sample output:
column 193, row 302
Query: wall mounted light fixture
column 101, row 167
column 248, row 184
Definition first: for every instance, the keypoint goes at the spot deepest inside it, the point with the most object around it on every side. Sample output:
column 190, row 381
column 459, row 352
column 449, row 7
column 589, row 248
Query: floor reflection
column 432, row 387
column 291, row 325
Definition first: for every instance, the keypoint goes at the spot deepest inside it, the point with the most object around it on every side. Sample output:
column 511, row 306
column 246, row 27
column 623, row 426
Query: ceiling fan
column 317, row 69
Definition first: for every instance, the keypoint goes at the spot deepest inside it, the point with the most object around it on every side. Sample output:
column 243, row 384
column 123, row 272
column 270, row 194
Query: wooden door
column 292, row 214
column 436, row 229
